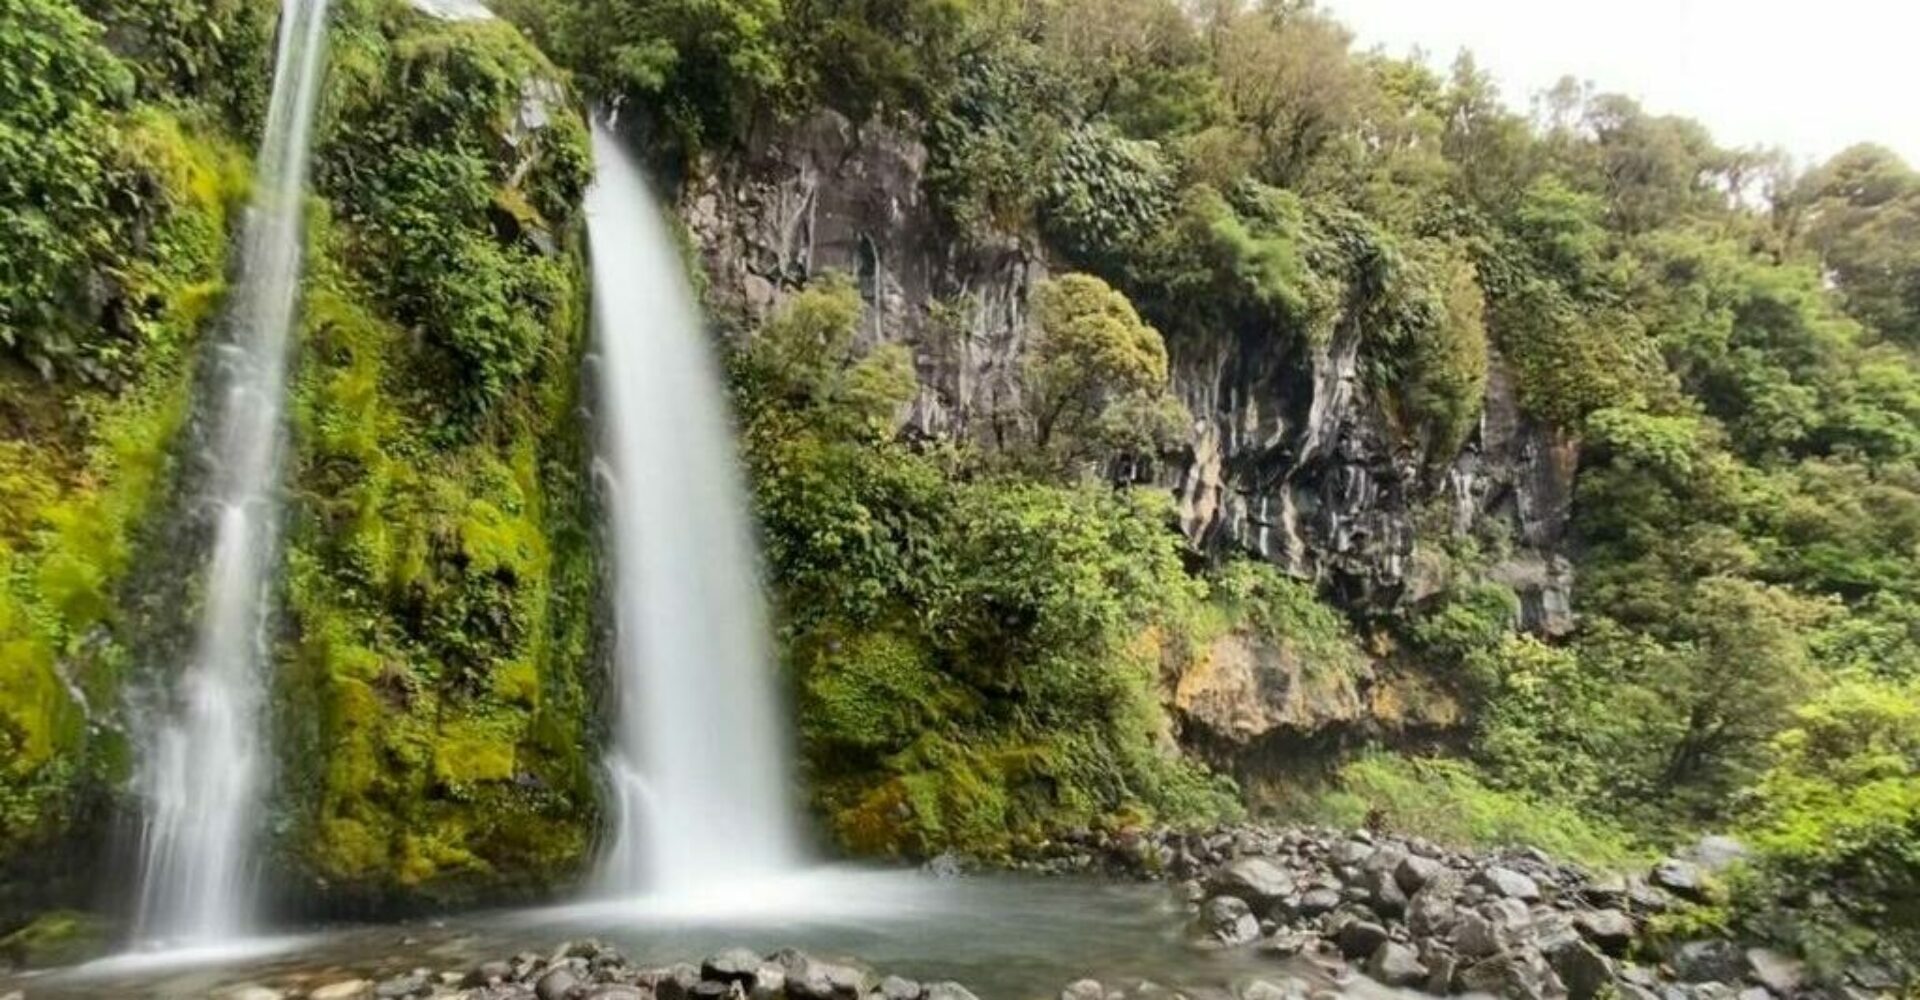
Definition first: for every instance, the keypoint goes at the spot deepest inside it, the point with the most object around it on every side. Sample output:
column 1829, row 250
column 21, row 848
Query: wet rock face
column 824, row 195
column 1291, row 456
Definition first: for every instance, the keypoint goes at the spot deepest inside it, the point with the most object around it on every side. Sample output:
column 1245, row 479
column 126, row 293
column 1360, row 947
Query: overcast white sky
column 1812, row 76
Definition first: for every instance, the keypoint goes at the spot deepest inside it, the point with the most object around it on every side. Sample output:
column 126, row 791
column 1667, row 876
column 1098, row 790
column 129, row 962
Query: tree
column 1861, row 213
column 1836, row 822
column 1286, row 73
column 805, row 359
column 1096, row 375
column 1138, row 63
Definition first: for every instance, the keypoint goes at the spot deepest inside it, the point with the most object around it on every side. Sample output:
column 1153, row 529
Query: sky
column 1810, row 77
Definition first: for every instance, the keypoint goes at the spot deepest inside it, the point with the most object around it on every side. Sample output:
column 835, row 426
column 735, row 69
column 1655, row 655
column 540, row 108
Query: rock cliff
column 1290, row 456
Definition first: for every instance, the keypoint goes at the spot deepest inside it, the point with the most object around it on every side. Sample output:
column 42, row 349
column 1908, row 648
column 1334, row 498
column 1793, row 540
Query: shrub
column 1447, row 801
column 1836, row 824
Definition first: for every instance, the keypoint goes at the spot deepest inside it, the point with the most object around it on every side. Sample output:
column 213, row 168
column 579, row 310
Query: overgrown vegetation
column 114, row 214
column 434, row 701
column 1725, row 348
column 975, row 650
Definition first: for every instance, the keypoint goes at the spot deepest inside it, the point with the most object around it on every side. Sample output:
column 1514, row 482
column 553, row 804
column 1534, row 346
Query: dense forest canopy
column 977, row 628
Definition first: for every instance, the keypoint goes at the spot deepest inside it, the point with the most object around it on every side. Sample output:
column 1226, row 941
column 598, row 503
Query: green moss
column 439, row 575
column 469, row 752
column 61, row 937
column 87, row 469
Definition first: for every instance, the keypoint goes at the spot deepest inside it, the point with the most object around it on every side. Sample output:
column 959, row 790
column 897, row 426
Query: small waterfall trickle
column 698, row 767
column 201, row 770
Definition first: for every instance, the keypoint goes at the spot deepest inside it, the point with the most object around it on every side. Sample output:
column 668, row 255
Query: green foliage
column 1096, row 376
column 699, row 66
column 61, row 217
column 215, row 52
column 84, row 463
column 1287, row 612
column 59, row 937
column 1108, row 194
column 1836, row 822
column 1447, row 801
column 454, row 208
column 433, row 706
column 804, row 357
column 975, row 656
column 1861, row 214
column 1003, row 115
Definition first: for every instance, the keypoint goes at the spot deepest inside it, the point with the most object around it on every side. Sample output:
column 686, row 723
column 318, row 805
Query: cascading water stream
column 201, row 773
column 698, row 765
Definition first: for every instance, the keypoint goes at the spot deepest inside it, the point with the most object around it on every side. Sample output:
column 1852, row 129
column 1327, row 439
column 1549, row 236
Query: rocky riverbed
column 1409, row 913
column 1247, row 913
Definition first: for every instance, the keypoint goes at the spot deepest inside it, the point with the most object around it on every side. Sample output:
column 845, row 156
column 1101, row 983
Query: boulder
column 1499, row 881
column 1611, row 930
column 1582, row 969
column 1258, row 881
column 734, row 965
column 1682, row 878
column 948, row 990
column 349, row 989
column 1473, row 936
column 1514, row 975
column 1316, row 901
column 415, row 983
column 1708, row 961
column 1431, row 914
column 1228, row 920
column 809, row 978
column 896, row 988
column 616, row 991
column 1261, row 989
column 1383, row 892
column 1414, row 872
column 1396, row 964
column 1779, row 973
column 1085, row 989
column 1360, row 938
column 671, row 982
column 488, row 973
column 558, row 983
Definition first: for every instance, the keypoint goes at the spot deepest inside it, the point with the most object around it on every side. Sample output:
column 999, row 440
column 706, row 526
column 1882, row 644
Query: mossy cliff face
column 433, row 703
column 113, row 243
column 435, row 617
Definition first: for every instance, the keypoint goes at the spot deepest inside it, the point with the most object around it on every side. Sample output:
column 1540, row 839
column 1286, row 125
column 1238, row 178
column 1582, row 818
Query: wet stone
column 734, row 965
column 1396, row 964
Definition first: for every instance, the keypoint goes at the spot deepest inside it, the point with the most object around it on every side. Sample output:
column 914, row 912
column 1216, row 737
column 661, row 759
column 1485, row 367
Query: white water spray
column 201, row 775
column 697, row 766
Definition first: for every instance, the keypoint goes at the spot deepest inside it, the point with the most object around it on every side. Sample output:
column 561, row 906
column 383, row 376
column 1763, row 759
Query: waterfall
column 201, row 772
column 697, row 766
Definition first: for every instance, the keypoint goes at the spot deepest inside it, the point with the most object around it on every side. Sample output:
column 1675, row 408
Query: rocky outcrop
column 1291, row 455
column 1243, row 691
column 825, row 195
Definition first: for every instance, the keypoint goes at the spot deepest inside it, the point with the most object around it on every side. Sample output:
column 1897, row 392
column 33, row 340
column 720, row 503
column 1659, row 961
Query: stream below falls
column 1004, row 936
